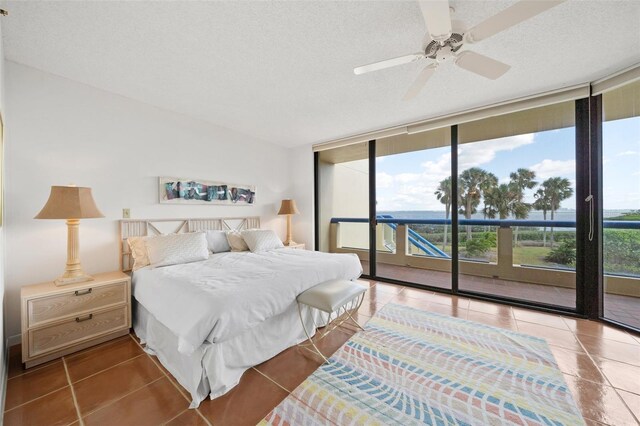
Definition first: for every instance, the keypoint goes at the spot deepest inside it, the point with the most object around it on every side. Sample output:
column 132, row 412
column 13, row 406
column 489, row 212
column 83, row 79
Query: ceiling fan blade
column 513, row 15
column 482, row 65
column 388, row 63
column 437, row 18
column 419, row 82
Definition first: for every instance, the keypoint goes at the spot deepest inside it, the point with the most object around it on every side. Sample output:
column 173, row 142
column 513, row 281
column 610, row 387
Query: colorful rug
column 414, row 367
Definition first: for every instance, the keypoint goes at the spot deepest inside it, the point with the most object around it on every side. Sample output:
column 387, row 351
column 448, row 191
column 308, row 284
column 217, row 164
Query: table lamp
column 71, row 203
column 288, row 207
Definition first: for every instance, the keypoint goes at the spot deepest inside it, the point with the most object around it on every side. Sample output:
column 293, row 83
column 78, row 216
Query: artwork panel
column 199, row 191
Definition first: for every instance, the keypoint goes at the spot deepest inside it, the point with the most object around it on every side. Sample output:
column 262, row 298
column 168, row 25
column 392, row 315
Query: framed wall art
column 197, row 191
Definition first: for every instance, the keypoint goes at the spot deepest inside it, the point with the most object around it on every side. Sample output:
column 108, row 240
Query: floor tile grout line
column 617, row 391
column 70, row 356
column 175, row 417
column 271, row 380
column 203, row 417
column 594, row 356
column 33, row 369
column 73, row 392
column 108, row 368
column 96, row 347
column 624, row 403
column 162, row 371
column 123, row 396
column 35, row 399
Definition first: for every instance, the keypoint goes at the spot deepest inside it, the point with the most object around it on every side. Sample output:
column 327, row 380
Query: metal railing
column 501, row 223
column 502, row 264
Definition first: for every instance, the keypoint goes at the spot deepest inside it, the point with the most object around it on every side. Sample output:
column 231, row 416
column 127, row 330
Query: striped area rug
column 414, row 367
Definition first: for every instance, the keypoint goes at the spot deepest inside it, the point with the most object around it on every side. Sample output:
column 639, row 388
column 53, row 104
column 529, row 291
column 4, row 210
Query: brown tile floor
column 116, row 383
column 623, row 309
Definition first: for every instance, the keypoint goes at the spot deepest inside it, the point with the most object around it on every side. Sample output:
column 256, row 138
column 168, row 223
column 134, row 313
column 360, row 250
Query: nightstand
column 298, row 246
column 57, row 321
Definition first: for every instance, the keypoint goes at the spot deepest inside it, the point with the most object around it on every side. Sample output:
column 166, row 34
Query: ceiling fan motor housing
column 442, row 51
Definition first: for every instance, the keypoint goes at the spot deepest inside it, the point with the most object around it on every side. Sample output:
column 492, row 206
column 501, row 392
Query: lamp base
column 288, row 243
column 64, row 280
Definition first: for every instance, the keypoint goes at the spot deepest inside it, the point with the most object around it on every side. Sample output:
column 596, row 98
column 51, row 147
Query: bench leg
column 308, row 336
column 356, row 310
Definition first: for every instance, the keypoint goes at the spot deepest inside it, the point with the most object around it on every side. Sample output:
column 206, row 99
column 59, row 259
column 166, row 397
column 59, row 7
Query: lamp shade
column 69, row 202
column 288, row 207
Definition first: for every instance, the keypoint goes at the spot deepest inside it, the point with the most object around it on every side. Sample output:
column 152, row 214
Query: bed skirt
column 215, row 368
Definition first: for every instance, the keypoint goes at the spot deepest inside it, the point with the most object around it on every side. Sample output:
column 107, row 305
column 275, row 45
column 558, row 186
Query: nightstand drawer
column 75, row 302
column 76, row 330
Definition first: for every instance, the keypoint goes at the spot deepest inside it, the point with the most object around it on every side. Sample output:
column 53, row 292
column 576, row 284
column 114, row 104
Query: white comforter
column 216, row 299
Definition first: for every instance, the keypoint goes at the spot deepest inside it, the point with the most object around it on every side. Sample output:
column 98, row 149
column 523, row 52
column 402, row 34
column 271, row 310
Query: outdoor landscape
column 525, row 177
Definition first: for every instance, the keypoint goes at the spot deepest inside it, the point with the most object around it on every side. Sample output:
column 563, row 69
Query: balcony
column 407, row 255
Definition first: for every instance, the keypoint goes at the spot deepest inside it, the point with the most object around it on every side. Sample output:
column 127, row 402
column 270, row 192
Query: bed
column 209, row 321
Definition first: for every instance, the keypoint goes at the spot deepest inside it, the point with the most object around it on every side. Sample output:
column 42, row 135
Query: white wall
column 61, row 132
column 3, row 333
column 302, row 191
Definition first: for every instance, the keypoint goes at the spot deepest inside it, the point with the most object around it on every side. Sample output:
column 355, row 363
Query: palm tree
column 557, row 190
column 443, row 194
column 542, row 203
column 473, row 182
column 520, row 180
column 500, row 200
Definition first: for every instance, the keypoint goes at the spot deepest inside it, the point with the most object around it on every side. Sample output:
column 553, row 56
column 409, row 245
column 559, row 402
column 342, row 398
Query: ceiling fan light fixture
column 447, row 37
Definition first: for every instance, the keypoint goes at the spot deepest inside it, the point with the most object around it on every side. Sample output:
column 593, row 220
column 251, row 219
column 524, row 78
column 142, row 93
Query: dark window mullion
column 316, row 200
column 454, row 209
column 372, row 208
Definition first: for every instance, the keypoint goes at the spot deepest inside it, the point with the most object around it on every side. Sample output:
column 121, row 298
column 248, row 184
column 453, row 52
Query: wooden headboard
column 145, row 227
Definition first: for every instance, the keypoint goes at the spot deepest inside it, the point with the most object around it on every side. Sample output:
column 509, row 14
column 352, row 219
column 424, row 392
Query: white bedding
column 222, row 297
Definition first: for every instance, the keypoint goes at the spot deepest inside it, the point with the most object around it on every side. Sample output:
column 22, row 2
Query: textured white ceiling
column 282, row 71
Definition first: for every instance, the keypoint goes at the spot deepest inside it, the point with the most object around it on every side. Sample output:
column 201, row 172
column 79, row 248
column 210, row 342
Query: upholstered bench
column 332, row 297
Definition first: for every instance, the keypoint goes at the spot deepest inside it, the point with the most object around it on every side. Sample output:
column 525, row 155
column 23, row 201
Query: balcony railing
column 409, row 248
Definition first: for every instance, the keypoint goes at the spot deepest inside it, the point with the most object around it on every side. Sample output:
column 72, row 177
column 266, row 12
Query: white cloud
column 551, row 168
column 407, row 177
column 625, row 153
column 415, row 191
column 478, row 153
column 384, row 180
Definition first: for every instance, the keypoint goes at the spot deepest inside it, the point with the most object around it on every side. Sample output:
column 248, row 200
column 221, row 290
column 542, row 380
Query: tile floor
column 624, row 309
column 116, row 383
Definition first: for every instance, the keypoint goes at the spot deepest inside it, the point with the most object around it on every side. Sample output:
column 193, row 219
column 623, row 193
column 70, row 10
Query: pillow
column 217, row 241
column 138, row 252
column 177, row 248
column 261, row 240
column 236, row 241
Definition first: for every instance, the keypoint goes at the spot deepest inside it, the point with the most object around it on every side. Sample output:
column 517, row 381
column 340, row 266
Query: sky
column 408, row 181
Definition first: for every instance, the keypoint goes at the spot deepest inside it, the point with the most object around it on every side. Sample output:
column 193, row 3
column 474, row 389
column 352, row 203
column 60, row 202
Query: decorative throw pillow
column 139, row 251
column 261, row 240
column 217, row 241
column 236, row 241
column 177, row 248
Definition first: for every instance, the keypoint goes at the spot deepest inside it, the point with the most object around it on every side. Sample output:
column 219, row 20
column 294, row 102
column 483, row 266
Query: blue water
column 563, row 214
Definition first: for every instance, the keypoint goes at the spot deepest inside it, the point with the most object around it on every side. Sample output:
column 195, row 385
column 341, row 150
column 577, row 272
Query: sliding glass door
column 343, row 193
column 413, row 208
column 517, row 205
column 621, row 204
column 499, row 206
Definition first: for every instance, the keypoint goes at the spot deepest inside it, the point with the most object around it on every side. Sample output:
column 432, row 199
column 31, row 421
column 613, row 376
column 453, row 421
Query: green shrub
column 564, row 254
column 622, row 251
column 480, row 244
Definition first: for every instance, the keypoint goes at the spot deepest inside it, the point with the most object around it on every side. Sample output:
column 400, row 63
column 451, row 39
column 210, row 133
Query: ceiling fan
column 448, row 37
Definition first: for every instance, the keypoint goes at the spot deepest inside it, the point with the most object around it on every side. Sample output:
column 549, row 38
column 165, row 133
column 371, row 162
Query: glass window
column 621, row 204
column 413, row 176
column 519, row 167
column 344, row 193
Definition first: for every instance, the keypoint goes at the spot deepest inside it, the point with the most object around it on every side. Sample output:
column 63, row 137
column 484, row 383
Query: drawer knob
column 78, row 319
column 82, row 293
